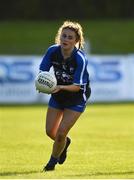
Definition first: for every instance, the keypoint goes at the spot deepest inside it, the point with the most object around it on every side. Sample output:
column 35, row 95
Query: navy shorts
column 79, row 108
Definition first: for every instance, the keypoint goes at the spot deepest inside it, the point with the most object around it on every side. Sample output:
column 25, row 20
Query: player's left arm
column 80, row 76
column 71, row 88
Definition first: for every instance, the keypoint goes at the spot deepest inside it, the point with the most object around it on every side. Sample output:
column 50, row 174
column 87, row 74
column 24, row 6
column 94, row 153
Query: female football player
column 68, row 100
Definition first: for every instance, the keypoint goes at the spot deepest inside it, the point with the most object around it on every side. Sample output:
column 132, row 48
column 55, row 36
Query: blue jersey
column 72, row 70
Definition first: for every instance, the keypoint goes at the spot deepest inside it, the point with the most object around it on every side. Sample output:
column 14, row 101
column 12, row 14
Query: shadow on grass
column 18, row 173
column 103, row 174
column 71, row 176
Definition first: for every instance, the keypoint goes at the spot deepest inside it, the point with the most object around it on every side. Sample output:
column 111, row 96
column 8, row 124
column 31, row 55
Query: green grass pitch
column 106, row 36
column 102, row 143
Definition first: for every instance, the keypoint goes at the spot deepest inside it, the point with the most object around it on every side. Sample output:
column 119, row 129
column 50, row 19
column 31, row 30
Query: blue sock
column 52, row 160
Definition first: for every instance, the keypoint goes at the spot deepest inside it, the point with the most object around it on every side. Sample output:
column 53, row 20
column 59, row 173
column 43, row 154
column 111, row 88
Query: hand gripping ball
column 45, row 82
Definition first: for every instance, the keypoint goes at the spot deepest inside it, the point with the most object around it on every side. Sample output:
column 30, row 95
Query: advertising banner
column 111, row 79
column 17, row 76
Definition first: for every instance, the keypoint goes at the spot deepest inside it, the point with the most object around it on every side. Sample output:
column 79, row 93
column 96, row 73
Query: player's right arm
column 46, row 61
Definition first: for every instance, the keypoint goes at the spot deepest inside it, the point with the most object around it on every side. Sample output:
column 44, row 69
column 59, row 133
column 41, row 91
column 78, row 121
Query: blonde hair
column 74, row 26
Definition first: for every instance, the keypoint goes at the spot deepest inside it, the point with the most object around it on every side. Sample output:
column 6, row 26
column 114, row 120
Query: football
column 45, row 82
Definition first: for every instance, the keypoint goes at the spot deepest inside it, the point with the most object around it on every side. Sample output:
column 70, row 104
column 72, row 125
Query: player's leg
column 53, row 119
column 62, row 141
column 68, row 120
column 77, row 109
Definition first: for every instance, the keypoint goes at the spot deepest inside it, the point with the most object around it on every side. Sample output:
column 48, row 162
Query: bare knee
column 50, row 133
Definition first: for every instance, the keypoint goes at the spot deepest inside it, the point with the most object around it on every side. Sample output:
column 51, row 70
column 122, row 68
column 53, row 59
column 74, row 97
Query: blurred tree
column 59, row 9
